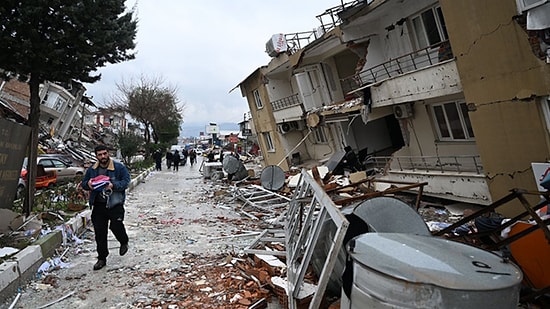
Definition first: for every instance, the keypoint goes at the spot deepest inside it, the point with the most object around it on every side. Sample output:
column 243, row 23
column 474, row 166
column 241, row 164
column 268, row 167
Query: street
column 178, row 223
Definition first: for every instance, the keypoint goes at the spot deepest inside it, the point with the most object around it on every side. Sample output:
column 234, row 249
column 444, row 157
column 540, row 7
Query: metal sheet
column 273, row 178
column 336, row 158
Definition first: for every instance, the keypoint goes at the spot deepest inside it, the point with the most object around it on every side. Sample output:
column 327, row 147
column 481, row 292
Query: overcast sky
column 205, row 48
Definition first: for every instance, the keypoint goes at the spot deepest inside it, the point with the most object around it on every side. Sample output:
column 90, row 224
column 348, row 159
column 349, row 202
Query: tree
column 60, row 41
column 151, row 103
column 129, row 144
column 166, row 132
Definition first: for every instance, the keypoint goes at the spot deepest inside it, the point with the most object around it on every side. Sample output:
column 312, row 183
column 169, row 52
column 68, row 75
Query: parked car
column 63, row 157
column 64, row 172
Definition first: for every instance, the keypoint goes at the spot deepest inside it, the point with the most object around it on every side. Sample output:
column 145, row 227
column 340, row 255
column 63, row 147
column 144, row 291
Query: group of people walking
column 175, row 158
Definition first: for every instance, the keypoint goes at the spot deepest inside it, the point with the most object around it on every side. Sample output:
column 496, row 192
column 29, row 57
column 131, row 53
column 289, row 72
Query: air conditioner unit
column 286, row 127
column 403, row 111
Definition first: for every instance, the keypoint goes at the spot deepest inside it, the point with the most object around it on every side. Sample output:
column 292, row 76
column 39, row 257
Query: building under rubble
column 452, row 93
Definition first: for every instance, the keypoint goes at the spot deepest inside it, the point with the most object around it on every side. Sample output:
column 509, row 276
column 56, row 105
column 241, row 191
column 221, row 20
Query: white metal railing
column 455, row 164
column 412, row 61
column 286, row 102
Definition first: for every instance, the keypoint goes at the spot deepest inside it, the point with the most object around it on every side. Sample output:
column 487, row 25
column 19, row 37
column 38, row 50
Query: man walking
column 157, row 155
column 176, row 160
column 107, row 180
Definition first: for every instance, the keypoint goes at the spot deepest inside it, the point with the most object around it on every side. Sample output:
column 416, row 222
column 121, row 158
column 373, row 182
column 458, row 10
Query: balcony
column 287, row 108
column 392, row 68
column 287, row 102
column 458, row 178
column 442, row 164
column 329, row 20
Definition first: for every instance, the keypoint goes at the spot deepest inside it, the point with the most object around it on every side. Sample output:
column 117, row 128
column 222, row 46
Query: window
column 320, row 136
column 58, row 164
column 429, row 27
column 268, row 142
column 45, row 100
column 452, row 121
column 257, row 99
column 59, row 103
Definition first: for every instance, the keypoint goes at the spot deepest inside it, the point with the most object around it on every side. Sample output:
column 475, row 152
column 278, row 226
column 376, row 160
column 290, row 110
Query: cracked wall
column 505, row 85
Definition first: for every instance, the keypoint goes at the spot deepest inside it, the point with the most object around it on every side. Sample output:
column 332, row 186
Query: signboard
column 247, row 132
column 539, row 170
column 14, row 138
column 212, row 129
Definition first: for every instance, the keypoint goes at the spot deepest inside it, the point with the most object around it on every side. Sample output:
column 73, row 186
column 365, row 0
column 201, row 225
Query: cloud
column 205, row 48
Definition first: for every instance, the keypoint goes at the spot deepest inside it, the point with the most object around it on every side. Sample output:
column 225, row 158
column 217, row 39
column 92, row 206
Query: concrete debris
column 208, row 283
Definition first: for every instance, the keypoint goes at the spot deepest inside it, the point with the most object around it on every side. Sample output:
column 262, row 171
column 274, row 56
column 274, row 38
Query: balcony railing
column 287, row 102
column 454, row 164
column 328, row 19
column 413, row 61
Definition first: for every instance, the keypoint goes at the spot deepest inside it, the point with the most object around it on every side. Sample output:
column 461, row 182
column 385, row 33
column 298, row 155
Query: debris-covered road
column 186, row 246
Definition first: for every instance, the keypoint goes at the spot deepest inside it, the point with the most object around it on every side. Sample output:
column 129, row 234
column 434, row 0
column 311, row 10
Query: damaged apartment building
column 452, row 93
column 66, row 114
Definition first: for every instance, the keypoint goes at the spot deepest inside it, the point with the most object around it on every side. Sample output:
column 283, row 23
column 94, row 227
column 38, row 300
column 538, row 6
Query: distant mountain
column 194, row 129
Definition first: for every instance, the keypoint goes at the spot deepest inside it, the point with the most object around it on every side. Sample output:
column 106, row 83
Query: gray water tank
column 391, row 270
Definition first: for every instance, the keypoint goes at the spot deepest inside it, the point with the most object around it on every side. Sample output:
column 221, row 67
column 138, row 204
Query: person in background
column 104, row 218
column 184, row 154
column 192, row 156
column 176, row 160
column 169, row 159
column 157, row 156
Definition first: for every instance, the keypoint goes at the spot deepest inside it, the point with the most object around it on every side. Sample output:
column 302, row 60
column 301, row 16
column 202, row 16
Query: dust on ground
column 179, row 225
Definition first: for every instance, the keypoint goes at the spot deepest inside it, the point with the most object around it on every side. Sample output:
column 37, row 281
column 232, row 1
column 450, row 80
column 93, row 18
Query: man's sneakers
column 123, row 249
column 100, row 264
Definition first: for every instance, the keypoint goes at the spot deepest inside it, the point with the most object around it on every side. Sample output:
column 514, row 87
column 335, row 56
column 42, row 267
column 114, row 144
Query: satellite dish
column 272, row 178
column 231, row 164
column 390, row 215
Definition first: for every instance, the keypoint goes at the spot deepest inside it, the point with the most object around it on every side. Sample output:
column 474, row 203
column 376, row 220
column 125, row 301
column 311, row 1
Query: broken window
column 268, row 142
column 320, row 136
column 258, row 99
column 452, row 121
column 429, row 27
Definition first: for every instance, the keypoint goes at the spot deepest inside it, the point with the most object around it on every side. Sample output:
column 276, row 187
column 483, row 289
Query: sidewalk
column 23, row 266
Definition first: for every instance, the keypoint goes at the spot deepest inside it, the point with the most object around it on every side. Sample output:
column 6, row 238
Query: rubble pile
column 213, row 282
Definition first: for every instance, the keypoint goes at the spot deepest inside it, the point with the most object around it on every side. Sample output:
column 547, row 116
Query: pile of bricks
column 210, row 282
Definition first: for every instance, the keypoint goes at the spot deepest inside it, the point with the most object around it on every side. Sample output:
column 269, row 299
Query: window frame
column 463, row 120
column 440, row 26
column 320, row 135
column 257, row 99
column 269, row 145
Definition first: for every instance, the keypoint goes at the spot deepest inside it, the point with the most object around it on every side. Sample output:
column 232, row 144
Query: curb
column 24, row 265
column 136, row 181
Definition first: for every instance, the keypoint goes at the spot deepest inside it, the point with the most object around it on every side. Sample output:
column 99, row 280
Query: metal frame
column 309, row 207
column 518, row 194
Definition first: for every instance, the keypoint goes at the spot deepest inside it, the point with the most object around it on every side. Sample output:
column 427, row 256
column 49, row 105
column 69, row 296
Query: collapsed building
column 421, row 97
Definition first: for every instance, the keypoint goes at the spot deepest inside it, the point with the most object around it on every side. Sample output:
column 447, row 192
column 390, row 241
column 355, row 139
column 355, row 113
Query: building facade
column 416, row 92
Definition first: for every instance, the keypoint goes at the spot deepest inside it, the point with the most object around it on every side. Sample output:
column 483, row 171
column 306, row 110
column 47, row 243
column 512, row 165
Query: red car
column 44, row 179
